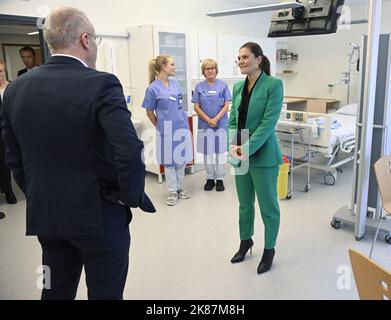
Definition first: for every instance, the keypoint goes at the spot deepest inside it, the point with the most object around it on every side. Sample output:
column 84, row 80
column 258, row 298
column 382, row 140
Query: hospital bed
column 314, row 140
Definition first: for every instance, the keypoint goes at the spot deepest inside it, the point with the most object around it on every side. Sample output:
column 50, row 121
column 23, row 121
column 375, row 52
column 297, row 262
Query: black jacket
column 69, row 143
column 22, row 71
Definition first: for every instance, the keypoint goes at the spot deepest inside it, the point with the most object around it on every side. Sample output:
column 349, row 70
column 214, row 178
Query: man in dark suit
column 5, row 174
column 75, row 154
column 27, row 54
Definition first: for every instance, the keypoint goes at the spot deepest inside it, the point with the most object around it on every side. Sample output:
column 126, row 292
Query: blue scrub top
column 168, row 105
column 211, row 99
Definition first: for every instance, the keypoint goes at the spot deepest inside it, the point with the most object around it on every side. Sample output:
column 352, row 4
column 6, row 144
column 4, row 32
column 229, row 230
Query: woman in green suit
column 254, row 150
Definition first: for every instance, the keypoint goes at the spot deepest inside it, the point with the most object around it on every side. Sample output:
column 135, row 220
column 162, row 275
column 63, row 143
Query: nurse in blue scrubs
column 164, row 103
column 211, row 99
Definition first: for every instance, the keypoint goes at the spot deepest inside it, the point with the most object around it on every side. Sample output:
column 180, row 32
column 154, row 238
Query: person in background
column 164, row 104
column 75, row 154
column 5, row 174
column 211, row 99
column 27, row 54
column 256, row 107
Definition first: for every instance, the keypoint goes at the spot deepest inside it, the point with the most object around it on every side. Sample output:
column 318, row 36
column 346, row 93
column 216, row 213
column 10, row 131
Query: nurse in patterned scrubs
column 211, row 99
column 164, row 103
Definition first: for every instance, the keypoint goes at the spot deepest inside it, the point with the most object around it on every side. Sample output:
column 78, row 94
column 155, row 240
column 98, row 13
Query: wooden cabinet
column 308, row 104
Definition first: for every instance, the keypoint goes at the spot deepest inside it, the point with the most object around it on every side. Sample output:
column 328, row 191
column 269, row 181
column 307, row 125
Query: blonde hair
column 209, row 63
column 64, row 26
column 4, row 64
column 156, row 65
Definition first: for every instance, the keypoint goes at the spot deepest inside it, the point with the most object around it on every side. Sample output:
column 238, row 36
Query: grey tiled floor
column 183, row 252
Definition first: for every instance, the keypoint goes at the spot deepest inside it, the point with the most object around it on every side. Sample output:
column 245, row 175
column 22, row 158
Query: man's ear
column 85, row 41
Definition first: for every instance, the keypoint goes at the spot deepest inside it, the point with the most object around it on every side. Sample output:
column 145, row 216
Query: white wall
column 322, row 58
column 114, row 17
column 117, row 15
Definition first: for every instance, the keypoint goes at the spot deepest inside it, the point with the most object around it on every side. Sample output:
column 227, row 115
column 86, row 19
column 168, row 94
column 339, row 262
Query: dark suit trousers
column 5, row 174
column 105, row 259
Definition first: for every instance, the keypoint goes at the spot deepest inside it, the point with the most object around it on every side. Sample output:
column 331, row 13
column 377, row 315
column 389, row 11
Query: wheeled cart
column 293, row 133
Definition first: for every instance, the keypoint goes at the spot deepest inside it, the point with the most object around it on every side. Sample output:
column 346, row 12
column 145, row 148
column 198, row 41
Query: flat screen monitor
column 314, row 17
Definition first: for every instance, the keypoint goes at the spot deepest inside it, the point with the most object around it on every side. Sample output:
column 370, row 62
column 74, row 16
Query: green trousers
column 261, row 181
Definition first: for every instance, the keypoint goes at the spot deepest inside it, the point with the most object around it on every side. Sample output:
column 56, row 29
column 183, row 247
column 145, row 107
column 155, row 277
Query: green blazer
column 262, row 117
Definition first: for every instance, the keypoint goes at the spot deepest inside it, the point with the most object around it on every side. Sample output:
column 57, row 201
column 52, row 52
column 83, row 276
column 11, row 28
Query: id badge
column 172, row 97
column 221, row 99
column 180, row 98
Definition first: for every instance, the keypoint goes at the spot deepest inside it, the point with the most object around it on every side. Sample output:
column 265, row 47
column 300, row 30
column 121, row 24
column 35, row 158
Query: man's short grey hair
column 64, row 26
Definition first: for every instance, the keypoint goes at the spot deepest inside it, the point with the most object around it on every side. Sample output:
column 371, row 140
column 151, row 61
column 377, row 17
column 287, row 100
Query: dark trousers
column 105, row 260
column 5, row 174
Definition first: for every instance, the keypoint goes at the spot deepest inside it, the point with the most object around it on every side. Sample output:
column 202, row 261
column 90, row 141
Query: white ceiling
column 261, row 2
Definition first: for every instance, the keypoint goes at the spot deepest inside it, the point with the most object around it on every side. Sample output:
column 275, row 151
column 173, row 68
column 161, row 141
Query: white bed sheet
column 347, row 130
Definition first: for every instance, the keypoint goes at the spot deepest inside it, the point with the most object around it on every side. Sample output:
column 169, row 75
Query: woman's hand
column 233, row 151
column 242, row 156
column 237, row 153
column 212, row 123
column 152, row 117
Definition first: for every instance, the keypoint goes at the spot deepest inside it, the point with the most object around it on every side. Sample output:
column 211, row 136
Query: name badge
column 172, row 98
column 221, row 98
column 212, row 92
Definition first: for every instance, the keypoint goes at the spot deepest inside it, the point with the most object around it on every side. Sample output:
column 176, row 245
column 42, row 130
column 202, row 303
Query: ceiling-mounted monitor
column 314, row 17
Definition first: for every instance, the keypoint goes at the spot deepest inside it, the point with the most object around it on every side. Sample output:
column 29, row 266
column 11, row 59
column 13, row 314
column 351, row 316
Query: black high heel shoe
column 266, row 261
column 245, row 245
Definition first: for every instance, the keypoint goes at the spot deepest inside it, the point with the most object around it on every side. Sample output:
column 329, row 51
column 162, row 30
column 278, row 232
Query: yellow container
column 282, row 181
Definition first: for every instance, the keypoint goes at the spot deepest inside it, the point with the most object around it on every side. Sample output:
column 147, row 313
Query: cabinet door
column 207, row 46
column 174, row 44
column 194, row 59
column 238, row 42
column 269, row 47
column 226, row 58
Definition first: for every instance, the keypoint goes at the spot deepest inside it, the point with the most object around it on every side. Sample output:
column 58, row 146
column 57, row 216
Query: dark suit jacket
column 22, row 71
column 69, row 143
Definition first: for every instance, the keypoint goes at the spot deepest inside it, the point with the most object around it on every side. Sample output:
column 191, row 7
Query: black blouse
column 243, row 109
